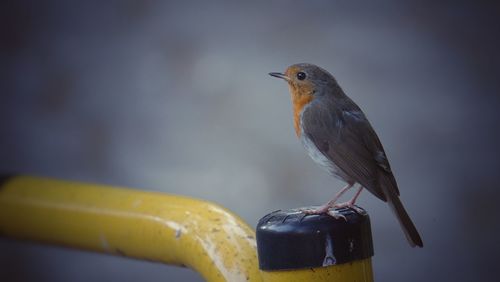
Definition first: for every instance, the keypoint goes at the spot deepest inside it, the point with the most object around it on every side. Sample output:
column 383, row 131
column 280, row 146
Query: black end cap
column 291, row 239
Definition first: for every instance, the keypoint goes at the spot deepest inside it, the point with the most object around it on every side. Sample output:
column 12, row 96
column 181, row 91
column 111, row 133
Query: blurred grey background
column 175, row 97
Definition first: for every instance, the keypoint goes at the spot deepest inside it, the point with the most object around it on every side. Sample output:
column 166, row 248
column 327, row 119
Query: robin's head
column 307, row 80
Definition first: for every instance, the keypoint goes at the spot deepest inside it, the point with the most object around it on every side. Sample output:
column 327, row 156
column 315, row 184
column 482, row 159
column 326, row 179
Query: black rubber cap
column 292, row 240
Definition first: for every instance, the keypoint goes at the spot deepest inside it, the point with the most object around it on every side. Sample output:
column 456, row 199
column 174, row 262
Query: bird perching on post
column 338, row 137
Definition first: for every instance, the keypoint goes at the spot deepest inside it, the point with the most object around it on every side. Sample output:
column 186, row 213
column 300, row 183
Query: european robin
column 338, row 137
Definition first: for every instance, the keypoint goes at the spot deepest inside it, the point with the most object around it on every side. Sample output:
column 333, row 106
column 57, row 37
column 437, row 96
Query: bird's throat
column 299, row 102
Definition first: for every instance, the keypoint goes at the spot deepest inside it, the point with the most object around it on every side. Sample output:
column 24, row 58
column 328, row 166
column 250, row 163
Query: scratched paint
column 329, row 257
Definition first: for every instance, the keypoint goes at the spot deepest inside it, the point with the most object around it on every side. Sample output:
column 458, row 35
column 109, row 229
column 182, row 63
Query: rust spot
column 120, row 252
column 4, row 178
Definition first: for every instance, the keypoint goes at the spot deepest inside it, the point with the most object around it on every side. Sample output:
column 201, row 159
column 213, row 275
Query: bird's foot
column 352, row 206
column 321, row 210
column 325, row 209
column 336, row 214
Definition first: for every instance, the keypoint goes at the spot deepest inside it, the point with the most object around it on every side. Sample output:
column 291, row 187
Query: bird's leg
column 350, row 203
column 324, row 208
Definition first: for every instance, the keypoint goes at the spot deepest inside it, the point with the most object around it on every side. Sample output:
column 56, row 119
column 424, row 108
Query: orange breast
column 299, row 102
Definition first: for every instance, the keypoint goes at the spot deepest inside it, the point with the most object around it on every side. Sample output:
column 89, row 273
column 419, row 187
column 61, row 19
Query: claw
column 336, row 214
column 358, row 210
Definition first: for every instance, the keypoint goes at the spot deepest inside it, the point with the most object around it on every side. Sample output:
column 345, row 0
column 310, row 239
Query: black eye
column 301, row 76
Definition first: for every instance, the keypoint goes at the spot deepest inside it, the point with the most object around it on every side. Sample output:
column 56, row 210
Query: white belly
column 316, row 154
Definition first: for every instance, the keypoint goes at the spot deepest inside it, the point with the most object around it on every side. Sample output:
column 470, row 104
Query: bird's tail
column 404, row 219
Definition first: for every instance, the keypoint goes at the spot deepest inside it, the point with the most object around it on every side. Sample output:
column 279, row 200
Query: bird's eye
column 301, row 76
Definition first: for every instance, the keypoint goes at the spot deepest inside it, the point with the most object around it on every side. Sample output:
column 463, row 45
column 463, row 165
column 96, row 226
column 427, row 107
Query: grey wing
column 348, row 140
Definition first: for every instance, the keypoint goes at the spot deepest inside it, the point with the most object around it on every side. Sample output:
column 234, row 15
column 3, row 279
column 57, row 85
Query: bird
column 337, row 135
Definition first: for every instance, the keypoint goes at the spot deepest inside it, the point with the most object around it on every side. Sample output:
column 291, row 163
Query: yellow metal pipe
column 357, row 271
column 150, row 226
column 144, row 225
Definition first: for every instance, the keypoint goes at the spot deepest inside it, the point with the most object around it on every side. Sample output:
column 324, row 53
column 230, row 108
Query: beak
column 279, row 75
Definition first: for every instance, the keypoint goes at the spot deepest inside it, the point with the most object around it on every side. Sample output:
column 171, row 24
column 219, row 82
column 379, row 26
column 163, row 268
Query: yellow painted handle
column 144, row 225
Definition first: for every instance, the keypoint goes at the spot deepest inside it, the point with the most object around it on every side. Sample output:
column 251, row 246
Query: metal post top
column 291, row 239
